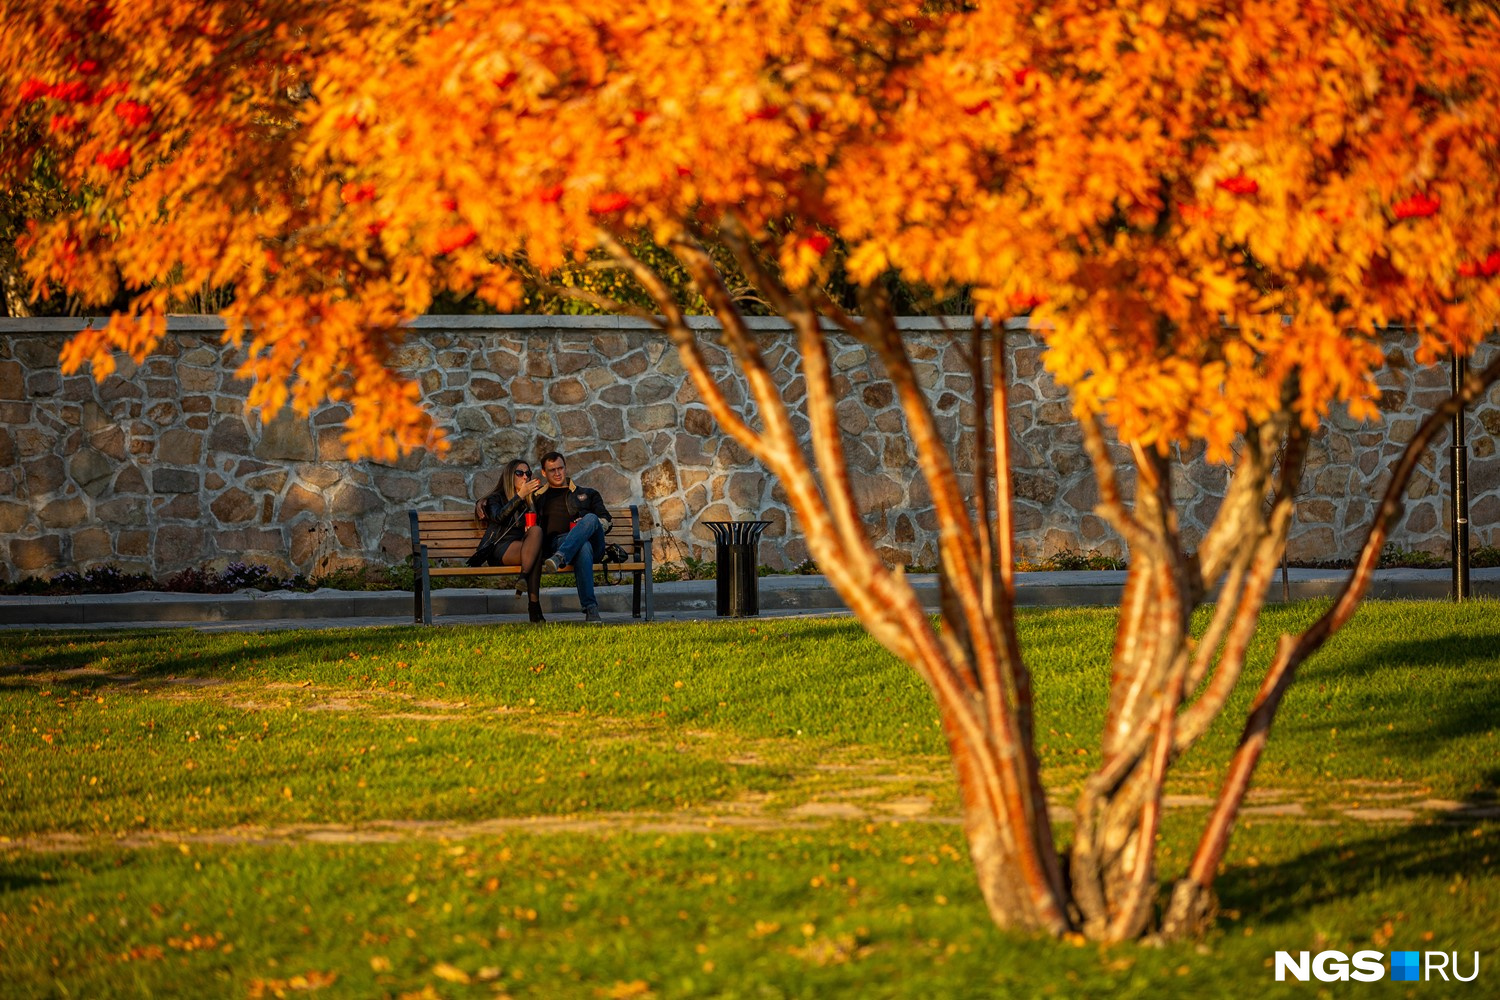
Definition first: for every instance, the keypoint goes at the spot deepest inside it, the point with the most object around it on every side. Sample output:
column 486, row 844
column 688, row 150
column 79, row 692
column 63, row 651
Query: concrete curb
column 779, row 595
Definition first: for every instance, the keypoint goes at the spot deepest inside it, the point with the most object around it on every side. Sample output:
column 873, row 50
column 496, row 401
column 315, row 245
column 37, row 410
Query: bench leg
column 635, row 594
column 426, row 588
column 647, row 546
column 416, row 599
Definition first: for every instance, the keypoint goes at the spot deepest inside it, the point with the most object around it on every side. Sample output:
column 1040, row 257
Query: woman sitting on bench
column 511, row 535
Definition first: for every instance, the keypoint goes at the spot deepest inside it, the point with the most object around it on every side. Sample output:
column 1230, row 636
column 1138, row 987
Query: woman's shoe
column 534, row 609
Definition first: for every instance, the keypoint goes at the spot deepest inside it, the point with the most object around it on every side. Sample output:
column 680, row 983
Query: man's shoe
column 592, row 615
column 551, row 566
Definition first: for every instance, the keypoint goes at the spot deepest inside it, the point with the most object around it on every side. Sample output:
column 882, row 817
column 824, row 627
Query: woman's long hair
column 505, row 488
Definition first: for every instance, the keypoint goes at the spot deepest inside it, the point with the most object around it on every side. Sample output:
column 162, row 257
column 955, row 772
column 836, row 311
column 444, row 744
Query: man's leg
column 567, row 547
column 583, row 573
column 581, row 547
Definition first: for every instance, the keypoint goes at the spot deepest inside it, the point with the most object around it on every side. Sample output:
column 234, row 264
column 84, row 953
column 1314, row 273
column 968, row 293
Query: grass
column 735, row 809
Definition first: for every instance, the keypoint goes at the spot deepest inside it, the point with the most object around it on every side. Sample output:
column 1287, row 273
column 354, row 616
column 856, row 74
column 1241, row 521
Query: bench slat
column 516, row 570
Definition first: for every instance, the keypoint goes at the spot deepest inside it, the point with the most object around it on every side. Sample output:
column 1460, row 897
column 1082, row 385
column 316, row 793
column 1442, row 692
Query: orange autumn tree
column 1213, row 212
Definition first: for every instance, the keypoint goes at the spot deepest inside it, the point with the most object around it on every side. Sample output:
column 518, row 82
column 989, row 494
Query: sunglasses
column 523, row 473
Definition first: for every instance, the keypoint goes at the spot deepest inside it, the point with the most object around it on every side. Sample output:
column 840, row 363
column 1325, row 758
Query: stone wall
column 159, row 467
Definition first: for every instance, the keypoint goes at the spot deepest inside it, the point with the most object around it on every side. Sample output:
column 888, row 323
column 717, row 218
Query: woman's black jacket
column 502, row 518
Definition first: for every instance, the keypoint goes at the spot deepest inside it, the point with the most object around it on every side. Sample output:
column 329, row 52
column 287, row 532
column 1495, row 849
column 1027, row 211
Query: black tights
column 528, row 554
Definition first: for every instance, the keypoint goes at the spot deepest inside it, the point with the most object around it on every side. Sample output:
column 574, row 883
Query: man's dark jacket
column 581, row 501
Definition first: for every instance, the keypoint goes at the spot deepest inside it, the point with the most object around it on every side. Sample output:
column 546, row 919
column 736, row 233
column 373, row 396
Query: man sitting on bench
column 573, row 521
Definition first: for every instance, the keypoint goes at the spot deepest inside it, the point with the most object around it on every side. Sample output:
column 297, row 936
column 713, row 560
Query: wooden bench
column 442, row 536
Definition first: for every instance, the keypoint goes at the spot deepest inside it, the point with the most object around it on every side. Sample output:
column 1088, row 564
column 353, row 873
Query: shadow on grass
column 1459, row 689
column 103, row 659
column 1436, row 853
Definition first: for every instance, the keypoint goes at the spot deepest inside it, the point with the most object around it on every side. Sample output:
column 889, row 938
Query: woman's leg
column 511, row 555
column 531, row 562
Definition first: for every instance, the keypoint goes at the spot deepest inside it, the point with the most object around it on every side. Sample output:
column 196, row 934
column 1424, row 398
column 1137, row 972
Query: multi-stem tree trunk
column 1167, row 685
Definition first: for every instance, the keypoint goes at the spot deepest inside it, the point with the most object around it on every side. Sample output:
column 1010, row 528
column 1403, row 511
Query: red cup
column 531, row 519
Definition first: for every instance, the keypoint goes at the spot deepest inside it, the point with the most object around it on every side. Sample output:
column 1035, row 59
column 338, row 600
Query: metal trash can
column 736, row 550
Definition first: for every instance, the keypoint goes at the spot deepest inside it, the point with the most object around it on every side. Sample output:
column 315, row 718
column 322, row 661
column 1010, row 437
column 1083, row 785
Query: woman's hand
column 528, row 487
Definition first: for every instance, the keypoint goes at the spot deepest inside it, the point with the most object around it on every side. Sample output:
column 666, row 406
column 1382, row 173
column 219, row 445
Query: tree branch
column 1291, row 652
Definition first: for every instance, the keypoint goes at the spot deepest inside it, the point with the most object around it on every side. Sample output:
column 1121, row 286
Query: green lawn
column 724, row 809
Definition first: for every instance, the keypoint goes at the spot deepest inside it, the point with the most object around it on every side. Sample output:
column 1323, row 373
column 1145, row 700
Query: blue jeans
column 580, row 548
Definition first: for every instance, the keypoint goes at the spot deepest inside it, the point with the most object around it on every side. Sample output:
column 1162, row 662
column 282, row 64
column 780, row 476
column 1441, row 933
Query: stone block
column 850, row 358
column 30, row 555
column 630, row 366
column 568, row 362
column 34, row 441
column 13, row 516
column 575, row 424
column 286, row 438
column 653, row 389
column 397, row 488
column 349, row 500
column 195, row 379
column 613, row 485
column 12, row 380
column 133, row 543
column 484, row 389
column 654, row 417
column 178, row 546
column 180, row 447
column 230, row 435
column 298, row 500
column 41, row 384
column 331, row 444
column 111, row 442
column 609, row 422
column 538, row 358
column 332, row 414
column 450, row 484
column 65, row 513
column 692, row 451
column 874, row 493
column 671, row 513
column 44, row 475
column 852, row 417
column 91, row 471
column 1038, row 487
column 503, row 363
column 1316, row 512
column 266, row 482
column 1421, row 519
column 1313, row 543
column 747, row 490
column 567, row 392
column 180, row 506
column 165, row 481
column 131, row 510
column 659, row 480
column 92, row 546
column 526, row 391
column 234, row 507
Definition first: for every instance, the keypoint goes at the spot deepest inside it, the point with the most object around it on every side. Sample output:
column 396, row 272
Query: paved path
column 687, row 600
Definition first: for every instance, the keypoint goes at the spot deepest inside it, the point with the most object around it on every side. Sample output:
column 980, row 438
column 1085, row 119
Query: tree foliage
column 1211, row 211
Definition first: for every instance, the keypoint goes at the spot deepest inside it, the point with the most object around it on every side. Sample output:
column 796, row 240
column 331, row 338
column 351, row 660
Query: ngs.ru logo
column 1369, row 966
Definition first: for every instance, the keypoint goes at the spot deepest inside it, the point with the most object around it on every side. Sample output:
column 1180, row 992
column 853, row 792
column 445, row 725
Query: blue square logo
column 1405, row 966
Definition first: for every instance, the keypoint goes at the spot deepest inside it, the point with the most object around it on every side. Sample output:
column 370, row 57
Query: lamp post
column 1459, row 466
